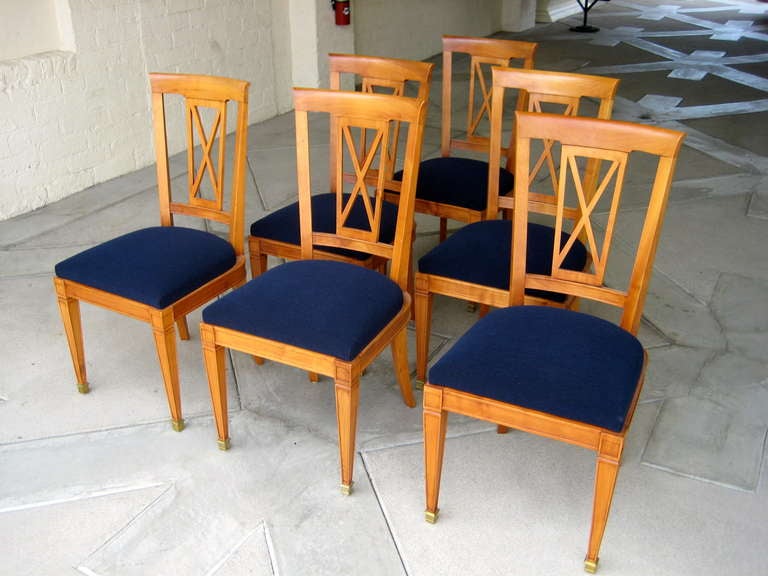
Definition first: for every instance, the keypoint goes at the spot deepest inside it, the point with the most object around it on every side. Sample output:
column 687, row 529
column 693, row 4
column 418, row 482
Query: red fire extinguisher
column 342, row 12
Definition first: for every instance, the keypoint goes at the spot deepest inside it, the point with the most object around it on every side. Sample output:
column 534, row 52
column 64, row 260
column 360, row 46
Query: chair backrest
column 378, row 75
column 543, row 91
column 206, row 101
column 613, row 143
column 350, row 114
column 484, row 53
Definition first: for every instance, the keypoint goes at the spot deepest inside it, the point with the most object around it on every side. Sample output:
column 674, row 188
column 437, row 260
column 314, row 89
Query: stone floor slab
column 673, row 371
column 71, row 531
column 251, row 556
column 703, row 439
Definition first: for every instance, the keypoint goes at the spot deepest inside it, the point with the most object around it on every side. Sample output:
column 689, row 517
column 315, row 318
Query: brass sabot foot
column 178, row 425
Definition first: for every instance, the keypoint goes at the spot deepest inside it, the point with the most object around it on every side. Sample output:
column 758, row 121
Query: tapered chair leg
column 215, row 368
column 423, row 306
column 347, row 400
column 435, row 424
column 182, row 327
column 400, row 360
column 443, row 229
column 411, row 273
column 163, row 328
column 607, row 469
column 258, row 260
column 70, row 317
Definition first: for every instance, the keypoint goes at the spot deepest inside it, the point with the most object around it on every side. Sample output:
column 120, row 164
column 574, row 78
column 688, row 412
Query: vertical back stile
column 161, row 154
column 649, row 240
column 304, row 182
column 400, row 269
column 494, row 152
column 445, row 107
column 190, row 111
column 237, row 223
column 222, row 144
column 519, row 224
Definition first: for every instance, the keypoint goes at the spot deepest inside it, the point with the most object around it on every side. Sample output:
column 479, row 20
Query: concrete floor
column 99, row 484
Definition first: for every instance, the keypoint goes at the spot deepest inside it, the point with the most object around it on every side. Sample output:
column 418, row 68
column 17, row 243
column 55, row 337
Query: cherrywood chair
column 550, row 371
column 161, row 274
column 473, row 263
column 325, row 316
column 277, row 234
column 456, row 187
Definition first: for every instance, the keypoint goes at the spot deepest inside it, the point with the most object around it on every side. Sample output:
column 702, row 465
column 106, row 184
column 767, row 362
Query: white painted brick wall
column 69, row 121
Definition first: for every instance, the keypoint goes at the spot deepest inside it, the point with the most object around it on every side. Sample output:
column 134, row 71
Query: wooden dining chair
column 550, row 371
column 473, row 263
column 452, row 186
column 277, row 234
column 161, row 274
column 325, row 316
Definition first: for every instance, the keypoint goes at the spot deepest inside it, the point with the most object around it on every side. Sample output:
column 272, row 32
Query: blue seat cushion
column 156, row 266
column 480, row 253
column 457, row 181
column 333, row 308
column 565, row 363
column 283, row 225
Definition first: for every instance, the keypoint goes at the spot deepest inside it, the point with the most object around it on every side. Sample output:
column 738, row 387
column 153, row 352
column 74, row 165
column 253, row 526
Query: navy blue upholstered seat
column 329, row 307
column 156, row 266
column 553, row 360
column 480, row 253
column 458, row 181
column 283, row 225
